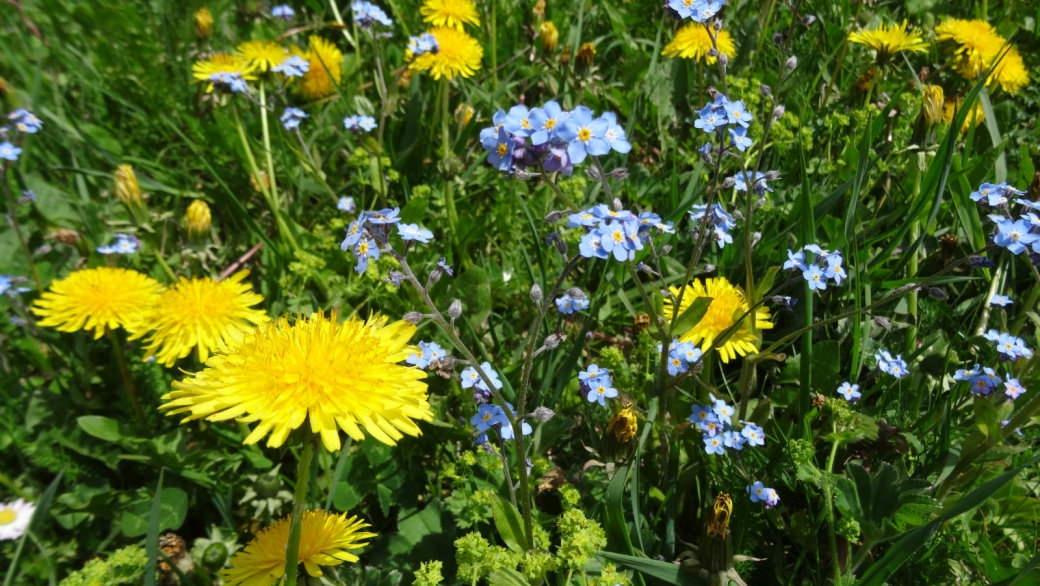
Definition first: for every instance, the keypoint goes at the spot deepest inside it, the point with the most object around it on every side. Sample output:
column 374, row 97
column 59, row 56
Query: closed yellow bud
column 549, row 35
column 585, row 53
column 203, row 21
column 126, row 185
column 539, row 9
column 198, row 218
column 463, row 114
column 618, row 441
column 932, row 104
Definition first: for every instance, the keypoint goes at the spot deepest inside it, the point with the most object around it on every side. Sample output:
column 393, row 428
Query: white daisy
column 14, row 518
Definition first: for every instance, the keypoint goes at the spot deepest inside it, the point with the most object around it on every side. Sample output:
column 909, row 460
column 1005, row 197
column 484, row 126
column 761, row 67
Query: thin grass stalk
column 267, row 145
column 912, row 264
column 449, row 194
column 124, row 371
column 303, row 478
column 12, row 213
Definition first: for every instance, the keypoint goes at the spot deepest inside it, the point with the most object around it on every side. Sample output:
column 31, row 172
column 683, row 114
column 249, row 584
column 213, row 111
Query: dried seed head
column 455, row 309
column 552, row 341
column 592, row 172
column 772, row 175
column 620, row 173
column 713, row 52
column 729, row 182
column 778, row 38
column 436, row 274
column 937, row 293
column 724, row 59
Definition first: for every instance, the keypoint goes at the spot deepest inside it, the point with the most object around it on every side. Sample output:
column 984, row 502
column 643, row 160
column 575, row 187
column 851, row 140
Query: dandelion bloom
column 932, row 103
column 14, row 518
column 549, row 35
column 199, row 313
column 325, row 71
column 262, row 55
column 97, row 299
column 975, row 116
column 203, row 21
column 450, row 13
column 459, row 54
column 979, row 47
column 325, row 539
column 728, row 304
column 334, row 374
column 889, row 40
column 693, row 42
column 198, row 218
column 222, row 63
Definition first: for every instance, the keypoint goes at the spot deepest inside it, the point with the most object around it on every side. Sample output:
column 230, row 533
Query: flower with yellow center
column 979, row 47
column 221, row 63
column 326, row 68
column 336, row 375
column 326, row 539
column 127, row 189
column 693, row 42
column 203, row 21
column 932, row 104
column 451, row 13
column 14, row 518
column 262, row 55
column 199, row 313
column 198, row 218
column 458, row 54
column 96, row 299
column 889, row 40
column 549, row 35
column 728, row 304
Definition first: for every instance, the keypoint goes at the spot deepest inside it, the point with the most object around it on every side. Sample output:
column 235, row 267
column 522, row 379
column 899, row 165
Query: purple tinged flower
column 282, row 11
column 444, row 266
column 966, row 374
column 292, row 66
column 711, row 117
column 383, row 217
column 1012, row 388
column 471, row 378
column 25, row 121
column 292, row 117
column 488, row 415
column 559, row 160
column 723, row 411
column 757, row 491
column 755, row 435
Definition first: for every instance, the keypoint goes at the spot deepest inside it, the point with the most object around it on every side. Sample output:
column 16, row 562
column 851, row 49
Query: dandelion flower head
column 199, row 313
column 450, row 13
column 693, row 42
column 458, row 54
column 222, row 63
column 96, row 299
column 262, row 55
column 728, row 304
column 326, row 68
column 334, row 375
column 325, row 540
column 889, row 40
column 978, row 48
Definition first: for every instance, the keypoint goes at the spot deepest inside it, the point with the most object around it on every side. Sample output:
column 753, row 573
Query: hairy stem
column 303, row 478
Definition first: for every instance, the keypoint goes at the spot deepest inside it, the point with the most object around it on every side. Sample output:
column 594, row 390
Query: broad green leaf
column 691, row 317
column 510, row 524
column 664, row 571
column 614, row 523
column 172, row 508
column 766, row 284
column 986, row 419
column 100, row 427
column 474, row 289
column 151, row 543
column 507, row 577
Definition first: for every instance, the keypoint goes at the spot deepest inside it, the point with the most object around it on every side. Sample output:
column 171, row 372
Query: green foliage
column 124, row 566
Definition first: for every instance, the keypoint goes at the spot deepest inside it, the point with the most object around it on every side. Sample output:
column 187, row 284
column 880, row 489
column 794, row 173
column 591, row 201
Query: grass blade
column 151, row 544
column 42, row 508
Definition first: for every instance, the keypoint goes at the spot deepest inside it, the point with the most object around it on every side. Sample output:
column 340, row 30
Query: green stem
column 828, row 494
column 912, row 265
column 494, row 47
column 267, row 145
column 805, row 390
column 603, row 179
column 124, row 370
column 993, row 285
column 303, row 477
column 559, row 192
column 449, row 195
column 12, row 208
column 165, row 267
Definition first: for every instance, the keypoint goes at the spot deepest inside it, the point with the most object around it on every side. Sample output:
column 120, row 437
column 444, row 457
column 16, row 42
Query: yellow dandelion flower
column 203, row 21
column 728, row 304
column 199, row 313
column 693, row 42
column 198, row 218
column 549, row 35
column 326, row 68
column 127, row 189
column 974, row 118
column 326, row 539
column 96, row 299
column 458, row 54
column 221, row 63
column 624, row 424
column 979, row 46
column 451, row 13
column 332, row 374
column 262, row 55
column 889, row 40
column 932, row 103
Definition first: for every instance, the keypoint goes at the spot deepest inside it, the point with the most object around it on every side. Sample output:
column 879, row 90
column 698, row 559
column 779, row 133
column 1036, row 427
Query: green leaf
column 766, row 283
column 658, row 300
column 826, row 366
column 510, row 524
column 986, row 419
column 151, row 543
column 173, row 507
column 100, row 427
column 617, row 528
column 103, row 138
column 507, row 577
column 847, row 499
column 902, row 550
column 691, row 317
column 474, row 289
column 664, row 571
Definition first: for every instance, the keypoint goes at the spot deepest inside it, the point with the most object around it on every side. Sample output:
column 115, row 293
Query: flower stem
column 911, row 269
column 603, row 179
column 12, row 213
column 303, row 477
column 124, row 370
column 267, row 144
column 494, row 47
column 827, row 492
column 449, row 196
column 165, row 267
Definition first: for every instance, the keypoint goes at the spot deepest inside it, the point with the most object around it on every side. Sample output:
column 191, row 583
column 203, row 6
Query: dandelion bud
column 778, row 112
column 543, row 414
column 765, row 90
column 203, row 22
column 536, row 293
column 549, row 36
column 666, row 249
column 729, row 182
column 778, row 38
column 618, row 206
column 723, row 59
column 576, row 293
column 791, row 63
column 126, row 185
column 620, row 173
column 884, row 323
column 198, row 218
column 412, row 317
column 553, row 216
column 808, row 20
column 932, row 104
column 593, row 173
column 455, row 309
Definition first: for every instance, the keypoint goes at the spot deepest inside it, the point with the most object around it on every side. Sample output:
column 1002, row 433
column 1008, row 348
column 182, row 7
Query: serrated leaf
column 847, row 498
column 507, row 577
column 509, row 523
